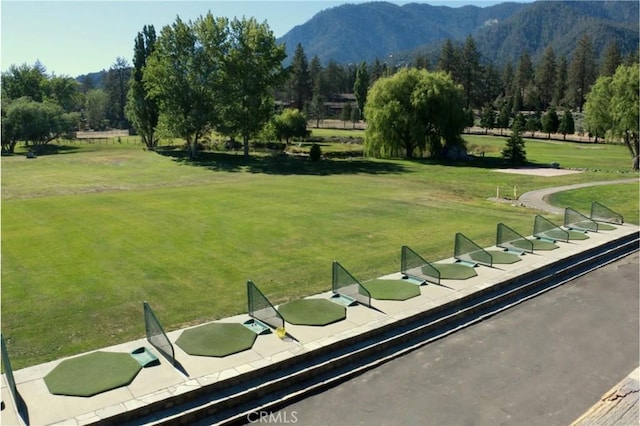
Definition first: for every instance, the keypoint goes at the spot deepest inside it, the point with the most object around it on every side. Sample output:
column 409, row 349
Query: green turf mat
column 392, row 289
column 312, row 312
column 454, row 271
column 577, row 235
column 91, row 374
column 216, row 339
column 605, row 227
column 503, row 257
column 537, row 244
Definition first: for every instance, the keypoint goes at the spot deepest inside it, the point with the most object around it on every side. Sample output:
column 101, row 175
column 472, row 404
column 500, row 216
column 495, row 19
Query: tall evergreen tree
column 611, row 61
column 315, row 71
column 142, row 110
column 545, row 77
column 361, row 87
column 582, row 71
column 470, row 72
column 300, row 78
column 514, row 152
column 507, row 79
column 523, row 79
column 560, row 86
column 117, row 85
column 448, row 60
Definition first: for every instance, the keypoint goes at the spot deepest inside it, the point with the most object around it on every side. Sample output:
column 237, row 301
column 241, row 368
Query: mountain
column 353, row 33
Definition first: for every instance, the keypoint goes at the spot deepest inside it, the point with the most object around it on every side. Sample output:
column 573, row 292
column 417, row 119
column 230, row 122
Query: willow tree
column 412, row 111
column 613, row 106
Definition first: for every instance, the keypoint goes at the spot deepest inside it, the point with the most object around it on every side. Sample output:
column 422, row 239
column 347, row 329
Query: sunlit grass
column 91, row 232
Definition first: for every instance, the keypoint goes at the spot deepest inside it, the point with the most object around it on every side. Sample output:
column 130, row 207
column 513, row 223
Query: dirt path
column 536, row 199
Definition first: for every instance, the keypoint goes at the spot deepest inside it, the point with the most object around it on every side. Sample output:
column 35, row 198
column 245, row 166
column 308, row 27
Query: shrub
column 315, row 152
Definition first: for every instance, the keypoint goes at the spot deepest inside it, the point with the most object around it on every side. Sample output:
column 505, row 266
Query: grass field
column 91, row 232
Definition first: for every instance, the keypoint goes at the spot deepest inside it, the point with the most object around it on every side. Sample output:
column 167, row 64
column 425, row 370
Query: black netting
column 345, row 284
column 602, row 213
column 413, row 265
column 468, row 251
column 261, row 309
column 511, row 240
column 156, row 335
column 576, row 220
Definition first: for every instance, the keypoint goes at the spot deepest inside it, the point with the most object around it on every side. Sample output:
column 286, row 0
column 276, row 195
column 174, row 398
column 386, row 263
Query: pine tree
column 300, row 78
column 514, row 153
column 470, row 72
column 612, row 60
column 582, row 71
column 545, row 77
column 361, row 87
column 560, row 88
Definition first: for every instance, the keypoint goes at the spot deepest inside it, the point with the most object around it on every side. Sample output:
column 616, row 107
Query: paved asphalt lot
column 543, row 362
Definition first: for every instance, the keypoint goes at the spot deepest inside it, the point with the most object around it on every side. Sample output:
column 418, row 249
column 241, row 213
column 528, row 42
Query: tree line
column 216, row 74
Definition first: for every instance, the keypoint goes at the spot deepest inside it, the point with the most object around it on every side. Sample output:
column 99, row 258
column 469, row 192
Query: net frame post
column 276, row 320
column 508, row 244
column 482, row 257
column 542, row 226
column 575, row 220
column 167, row 349
column 611, row 217
column 417, row 271
column 352, row 289
column 8, row 372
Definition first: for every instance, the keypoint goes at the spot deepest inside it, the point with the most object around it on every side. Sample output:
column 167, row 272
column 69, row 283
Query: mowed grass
column 90, row 233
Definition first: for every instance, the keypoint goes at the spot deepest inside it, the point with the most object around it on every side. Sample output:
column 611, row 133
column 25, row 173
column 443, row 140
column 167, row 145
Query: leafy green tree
column 290, row 123
column 65, row 91
column 96, row 106
column 514, row 152
column 300, row 78
column 36, row 123
column 488, row 118
column 545, row 77
column 411, row 111
column 550, row 122
column 566, row 125
column 361, row 87
column 597, row 112
column 142, row 110
column 252, row 70
column 183, row 74
column 582, row 71
column 25, row 81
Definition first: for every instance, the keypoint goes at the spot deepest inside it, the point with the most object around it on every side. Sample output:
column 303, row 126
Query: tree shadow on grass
column 484, row 163
column 283, row 164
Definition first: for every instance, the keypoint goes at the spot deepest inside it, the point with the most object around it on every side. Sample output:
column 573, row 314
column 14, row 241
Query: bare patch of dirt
column 539, row 171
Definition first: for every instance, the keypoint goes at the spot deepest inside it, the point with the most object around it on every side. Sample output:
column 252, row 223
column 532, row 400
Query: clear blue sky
column 82, row 36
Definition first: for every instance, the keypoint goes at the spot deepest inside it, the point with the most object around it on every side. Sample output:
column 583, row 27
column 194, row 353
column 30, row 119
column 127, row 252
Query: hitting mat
column 91, row 374
column 537, row 244
column 503, row 257
column 454, row 271
column 391, row 289
column 312, row 312
column 216, row 339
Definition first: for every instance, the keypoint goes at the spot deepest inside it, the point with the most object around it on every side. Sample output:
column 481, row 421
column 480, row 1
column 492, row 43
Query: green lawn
column 89, row 233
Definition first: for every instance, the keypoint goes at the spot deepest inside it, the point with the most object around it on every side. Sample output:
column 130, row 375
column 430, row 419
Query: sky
column 76, row 37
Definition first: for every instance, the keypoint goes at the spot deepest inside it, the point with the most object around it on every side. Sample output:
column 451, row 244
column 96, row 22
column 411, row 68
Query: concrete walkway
column 536, row 199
